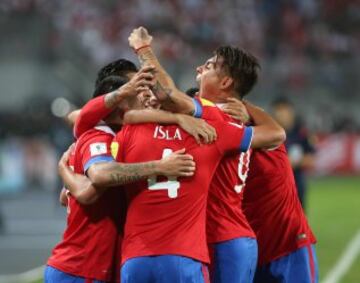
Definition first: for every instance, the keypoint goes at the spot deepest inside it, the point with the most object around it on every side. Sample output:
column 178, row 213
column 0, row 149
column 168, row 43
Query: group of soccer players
column 156, row 195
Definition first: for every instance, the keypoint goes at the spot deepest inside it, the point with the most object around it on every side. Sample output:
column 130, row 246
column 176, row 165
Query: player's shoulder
column 97, row 134
column 207, row 110
column 135, row 129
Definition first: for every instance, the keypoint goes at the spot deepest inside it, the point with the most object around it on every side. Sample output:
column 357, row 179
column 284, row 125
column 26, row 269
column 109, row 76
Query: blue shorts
column 235, row 261
column 299, row 266
column 163, row 269
column 53, row 275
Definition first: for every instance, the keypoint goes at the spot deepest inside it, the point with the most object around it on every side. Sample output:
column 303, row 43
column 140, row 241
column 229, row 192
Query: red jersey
column 90, row 115
column 225, row 217
column 272, row 206
column 89, row 245
column 167, row 216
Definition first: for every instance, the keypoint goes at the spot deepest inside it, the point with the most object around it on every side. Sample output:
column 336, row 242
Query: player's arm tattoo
column 131, row 173
column 115, row 174
column 112, row 99
column 165, row 89
column 164, row 86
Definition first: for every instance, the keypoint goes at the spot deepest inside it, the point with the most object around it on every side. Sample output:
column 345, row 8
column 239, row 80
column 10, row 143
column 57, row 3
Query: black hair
column 120, row 67
column 242, row 66
column 192, row 91
column 109, row 84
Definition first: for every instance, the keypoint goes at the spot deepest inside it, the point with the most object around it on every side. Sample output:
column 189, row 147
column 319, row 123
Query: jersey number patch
column 243, row 169
column 171, row 185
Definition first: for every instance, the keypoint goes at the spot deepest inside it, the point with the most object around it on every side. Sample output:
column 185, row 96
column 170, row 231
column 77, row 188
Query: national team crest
column 98, row 148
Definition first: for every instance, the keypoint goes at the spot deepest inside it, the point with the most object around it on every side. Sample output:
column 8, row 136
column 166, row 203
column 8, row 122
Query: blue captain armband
column 97, row 159
column 247, row 138
column 198, row 110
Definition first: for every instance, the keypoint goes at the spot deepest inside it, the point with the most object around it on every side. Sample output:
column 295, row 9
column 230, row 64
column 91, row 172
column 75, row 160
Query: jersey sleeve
column 96, row 150
column 232, row 137
column 90, row 115
column 207, row 110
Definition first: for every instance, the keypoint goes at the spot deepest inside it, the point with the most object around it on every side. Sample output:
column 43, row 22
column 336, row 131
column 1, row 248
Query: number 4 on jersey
column 171, row 185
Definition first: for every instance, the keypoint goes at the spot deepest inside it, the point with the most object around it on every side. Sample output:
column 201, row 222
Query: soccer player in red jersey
column 165, row 226
column 163, row 216
column 88, row 250
column 232, row 72
column 286, row 242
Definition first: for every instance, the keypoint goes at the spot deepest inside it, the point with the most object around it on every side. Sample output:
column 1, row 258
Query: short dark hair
column 242, row 66
column 109, row 84
column 120, row 67
column 192, row 91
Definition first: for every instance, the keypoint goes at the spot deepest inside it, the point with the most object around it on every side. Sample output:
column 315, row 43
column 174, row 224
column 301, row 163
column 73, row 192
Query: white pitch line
column 345, row 261
column 25, row 277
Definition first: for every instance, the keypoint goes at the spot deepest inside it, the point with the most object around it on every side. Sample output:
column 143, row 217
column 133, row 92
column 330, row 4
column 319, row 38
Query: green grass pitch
column 334, row 214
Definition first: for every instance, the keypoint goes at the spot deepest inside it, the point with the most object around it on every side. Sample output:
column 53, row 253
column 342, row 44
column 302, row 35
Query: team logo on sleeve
column 114, row 149
column 98, row 148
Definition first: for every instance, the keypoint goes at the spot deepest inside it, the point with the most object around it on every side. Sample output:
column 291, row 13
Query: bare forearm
column 150, row 116
column 165, row 89
column 92, row 112
column 114, row 98
column 116, row 174
column 267, row 132
column 80, row 186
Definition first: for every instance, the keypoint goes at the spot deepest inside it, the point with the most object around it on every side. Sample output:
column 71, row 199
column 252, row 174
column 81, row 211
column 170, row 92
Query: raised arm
column 171, row 97
column 71, row 117
column 98, row 108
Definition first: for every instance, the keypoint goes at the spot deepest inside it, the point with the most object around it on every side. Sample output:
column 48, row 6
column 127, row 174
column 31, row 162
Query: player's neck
column 216, row 98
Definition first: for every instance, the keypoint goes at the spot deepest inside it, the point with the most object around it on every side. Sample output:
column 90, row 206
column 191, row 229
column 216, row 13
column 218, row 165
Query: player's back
column 88, row 247
column 167, row 216
column 272, row 207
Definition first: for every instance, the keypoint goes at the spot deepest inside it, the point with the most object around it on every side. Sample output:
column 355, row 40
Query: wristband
column 144, row 46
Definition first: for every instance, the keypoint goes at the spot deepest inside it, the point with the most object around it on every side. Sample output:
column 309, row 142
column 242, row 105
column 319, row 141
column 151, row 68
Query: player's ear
column 226, row 82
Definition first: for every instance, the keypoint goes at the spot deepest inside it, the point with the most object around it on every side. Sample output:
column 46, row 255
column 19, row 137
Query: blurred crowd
column 308, row 48
column 187, row 28
column 268, row 28
column 309, row 51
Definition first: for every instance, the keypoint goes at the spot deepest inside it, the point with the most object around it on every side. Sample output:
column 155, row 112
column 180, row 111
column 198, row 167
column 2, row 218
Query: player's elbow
column 86, row 195
column 276, row 138
column 279, row 136
column 97, row 176
column 86, row 199
column 268, row 138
